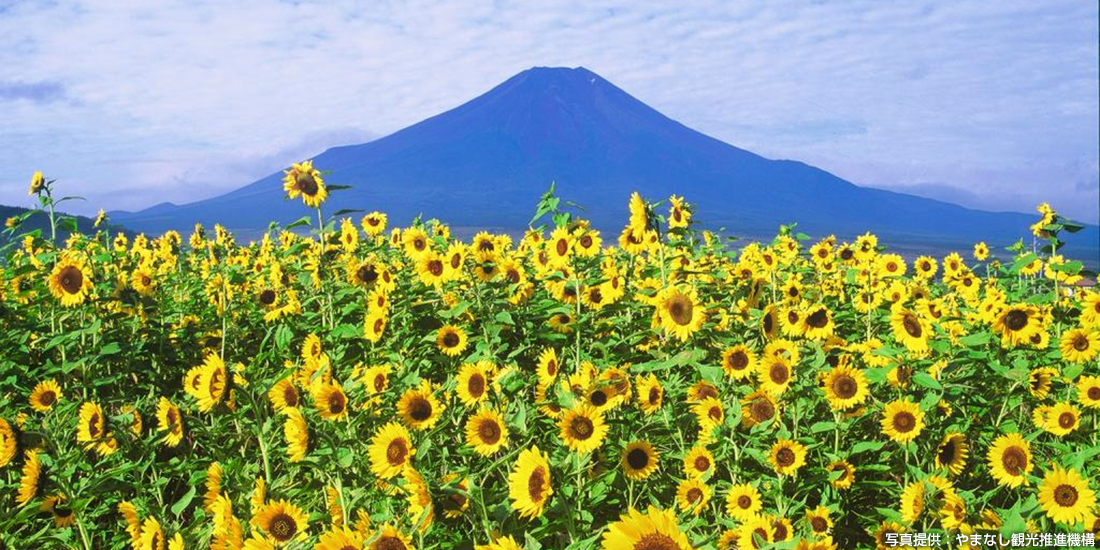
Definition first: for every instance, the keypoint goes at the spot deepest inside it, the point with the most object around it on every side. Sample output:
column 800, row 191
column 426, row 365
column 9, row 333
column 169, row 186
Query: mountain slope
column 484, row 163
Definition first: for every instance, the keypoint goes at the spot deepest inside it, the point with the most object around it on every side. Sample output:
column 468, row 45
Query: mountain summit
column 484, row 164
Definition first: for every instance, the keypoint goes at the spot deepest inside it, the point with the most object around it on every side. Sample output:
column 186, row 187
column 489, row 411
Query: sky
column 992, row 105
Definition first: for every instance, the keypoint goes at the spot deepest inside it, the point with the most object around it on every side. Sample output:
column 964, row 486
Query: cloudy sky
column 988, row 104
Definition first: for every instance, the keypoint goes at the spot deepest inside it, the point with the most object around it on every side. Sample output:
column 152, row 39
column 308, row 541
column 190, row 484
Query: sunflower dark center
column 450, row 339
column 47, row 398
column 762, row 410
column 379, row 324
column 1093, row 393
column 435, row 267
column 1016, row 320
column 476, row 385
column 598, row 398
column 267, row 297
column 846, row 254
column 282, row 527
column 778, row 373
column 71, row 279
column 792, row 317
column 396, row 452
column 912, row 326
column 637, row 458
column 595, row 296
column 379, row 382
column 366, row 274
column 947, row 452
column 784, row 457
column 679, row 309
column 694, row 495
column 739, row 360
column 715, row 413
column 290, row 395
column 845, row 386
column 744, row 502
column 561, row 247
column 702, row 463
column 768, row 323
column 586, row 241
column 336, row 403
column 655, row 395
column 1014, row 460
column 456, row 261
column 390, row 543
column 581, row 427
column 420, row 409
column 512, row 275
column 818, row 318
column 819, row 524
column 1066, row 420
column 1080, row 342
column 655, row 541
column 306, row 183
column 904, row 421
column 535, row 483
column 488, row 431
column 1065, row 495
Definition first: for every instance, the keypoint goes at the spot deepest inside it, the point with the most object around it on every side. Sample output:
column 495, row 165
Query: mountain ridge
column 486, row 161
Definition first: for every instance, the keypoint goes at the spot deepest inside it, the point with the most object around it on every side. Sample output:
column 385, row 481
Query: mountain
column 41, row 222
column 485, row 163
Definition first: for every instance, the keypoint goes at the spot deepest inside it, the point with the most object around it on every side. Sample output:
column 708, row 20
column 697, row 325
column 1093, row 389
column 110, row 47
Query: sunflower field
column 342, row 384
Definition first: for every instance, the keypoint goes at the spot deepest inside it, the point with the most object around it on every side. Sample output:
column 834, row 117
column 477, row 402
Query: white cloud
column 179, row 100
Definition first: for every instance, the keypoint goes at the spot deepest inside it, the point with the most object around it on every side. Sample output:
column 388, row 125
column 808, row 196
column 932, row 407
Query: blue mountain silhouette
column 485, row 163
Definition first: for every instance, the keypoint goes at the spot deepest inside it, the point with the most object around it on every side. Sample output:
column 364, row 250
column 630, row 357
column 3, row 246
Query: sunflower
column 639, row 460
column 71, row 280
column 373, row 224
column 38, row 182
column 28, row 484
column 282, row 521
column 679, row 216
column 1017, row 323
column 845, row 387
column 451, row 340
column 1010, row 460
column 44, row 395
column 774, row 374
column 502, row 543
column 486, row 432
column 692, row 495
column 1066, row 496
column 374, row 324
column 169, row 420
column 841, row 474
column 743, row 502
column 910, row 330
column 582, row 429
column 819, row 521
column 529, row 485
column 152, row 535
column 787, row 457
column 431, row 269
column 390, row 450
column 757, row 408
column 1062, row 419
column 93, row 425
column 418, row 407
column 679, row 311
column 913, row 502
column 952, row 453
column 296, row 432
column 376, row 379
column 755, row 532
column 59, row 508
column 1039, row 381
column 305, row 181
column 559, row 248
column 902, row 421
column 656, row 529
column 330, row 401
column 212, row 382
column 142, row 281
column 1079, row 345
column 1088, row 392
column 650, row 393
column 739, row 362
column 342, row 538
column 472, row 384
column 283, row 395
column 817, row 322
column 548, row 366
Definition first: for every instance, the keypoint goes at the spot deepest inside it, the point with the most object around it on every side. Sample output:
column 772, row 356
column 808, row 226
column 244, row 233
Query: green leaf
column 304, row 220
column 864, row 446
column 924, row 379
column 182, row 503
